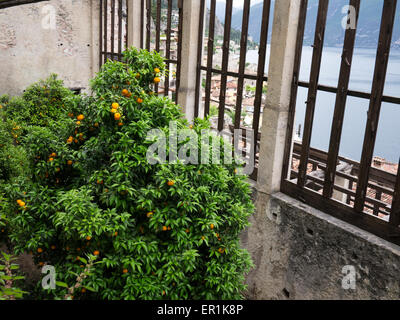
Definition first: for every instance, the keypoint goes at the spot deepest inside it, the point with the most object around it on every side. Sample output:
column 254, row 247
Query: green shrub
column 8, row 291
column 4, row 100
column 5, row 136
column 13, row 162
column 3, row 219
column 41, row 102
column 165, row 231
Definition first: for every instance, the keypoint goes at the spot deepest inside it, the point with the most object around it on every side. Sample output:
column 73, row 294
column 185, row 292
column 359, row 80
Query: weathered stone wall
column 300, row 252
column 30, row 49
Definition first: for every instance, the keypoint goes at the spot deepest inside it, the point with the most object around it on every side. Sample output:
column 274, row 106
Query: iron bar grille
column 360, row 193
column 214, row 81
column 162, row 31
column 113, row 30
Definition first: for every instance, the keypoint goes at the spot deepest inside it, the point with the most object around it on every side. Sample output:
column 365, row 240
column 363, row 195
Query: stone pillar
column 261, row 238
column 95, row 36
column 186, row 96
column 280, row 74
column 134, row 22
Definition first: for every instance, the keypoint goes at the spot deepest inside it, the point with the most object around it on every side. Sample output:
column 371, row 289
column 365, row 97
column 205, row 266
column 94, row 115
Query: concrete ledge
column 300, row 253
column 328, row 219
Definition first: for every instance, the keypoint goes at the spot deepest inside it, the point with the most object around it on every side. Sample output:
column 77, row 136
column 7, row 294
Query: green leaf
column 83, row 260
column 62, row 284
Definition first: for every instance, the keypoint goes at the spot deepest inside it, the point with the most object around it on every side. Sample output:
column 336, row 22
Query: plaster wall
column 57, row 36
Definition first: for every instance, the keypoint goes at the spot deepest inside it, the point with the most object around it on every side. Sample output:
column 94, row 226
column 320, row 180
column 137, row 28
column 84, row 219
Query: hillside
column 220, row 10
column 219, row 26
column 367, row 34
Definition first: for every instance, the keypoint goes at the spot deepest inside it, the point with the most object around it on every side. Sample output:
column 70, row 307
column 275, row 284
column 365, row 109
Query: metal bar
column 294, row 90
column 158, row 34
column 148, row 24
column 210, row 52
column 344, row 212
column 320, row 165
column 12, row 3
column 378, row 175
column 112, row 28
column 101, row 34
column 348, row 201
column 242, row 62
column 395, row 213
column 244, row 140
column 380, row 189
column 351, row 93
column 234, row 74
column 381, row 210
column 340, row 106
column 199, row 57
column 225, row 62
column 119, row 28
column 261, row 67
column 378, row 196
column 142, row 24
column 382, row 60
column 116, row 54
column 126, row 24
column 168, row 47
column 312, row 92
column 105, row 30
column 158, row 25
column 178, row 66
column 376, row 204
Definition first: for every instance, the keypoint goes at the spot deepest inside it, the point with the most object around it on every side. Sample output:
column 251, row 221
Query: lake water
column 388, row 138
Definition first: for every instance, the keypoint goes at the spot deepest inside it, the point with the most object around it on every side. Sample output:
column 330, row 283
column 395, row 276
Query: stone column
column 261, row 238
column 95, row 12
column 275, row 116
column 186, row 96
column 134, row 22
